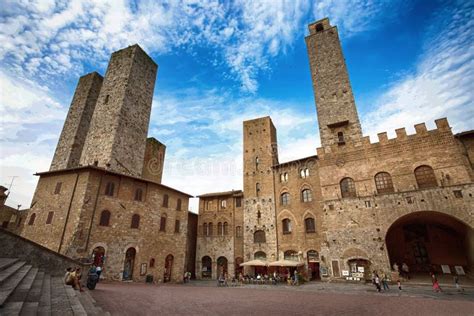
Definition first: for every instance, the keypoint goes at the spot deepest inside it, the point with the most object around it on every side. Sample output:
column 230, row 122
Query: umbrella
column 256, row 263
column 285, row 263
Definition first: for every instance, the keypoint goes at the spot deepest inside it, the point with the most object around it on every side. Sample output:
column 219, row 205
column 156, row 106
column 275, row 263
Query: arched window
column 347, row 188
column 238, row 231
column 209, row 227
column 259, row 237
column 223, row 204
column 163, row 223
column 152, row 262
column 104, row 218
column 383, row 182
column 284, row 177
column 178, row 205
column 309, row 225
column 135, row 221
column 260, row 255
column 285, row 198
column 340, row 138
column 165, row 200
column 425, row 177
column 138, row 194
column 306, row 195
column 291, row 255
column 286, row 226
column 109, row 189
column 32, row 219
column 176, row 226
column 304, row 173
column 257, row 161
column 205, row 231
column 219, row 229
column 226, row 229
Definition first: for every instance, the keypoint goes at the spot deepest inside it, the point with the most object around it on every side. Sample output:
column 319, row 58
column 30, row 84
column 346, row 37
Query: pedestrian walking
column 399, row 284
column 385, row 282
column 377, row 283
column 436, row 287
column 296, row 278
column 98, row 270
column 457, row 285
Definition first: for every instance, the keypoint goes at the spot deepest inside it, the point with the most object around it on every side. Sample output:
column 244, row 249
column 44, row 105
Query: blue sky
column 221, row 62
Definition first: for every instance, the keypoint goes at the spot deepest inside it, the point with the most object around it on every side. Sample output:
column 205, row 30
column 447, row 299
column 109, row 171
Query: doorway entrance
column 98, row 256
column 206, row 267
column 129, row 263
column 221, row 266
column 313, row 265
column 168, row 268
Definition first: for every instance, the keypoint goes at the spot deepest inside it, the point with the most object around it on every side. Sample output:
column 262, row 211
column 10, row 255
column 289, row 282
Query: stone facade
column 110, row 207
column 357, row 206
column 11, row 218
column 219, row 240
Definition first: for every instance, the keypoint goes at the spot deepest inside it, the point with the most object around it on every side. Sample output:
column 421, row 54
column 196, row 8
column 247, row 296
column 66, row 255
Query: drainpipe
column 68, row 212
column 93, row 213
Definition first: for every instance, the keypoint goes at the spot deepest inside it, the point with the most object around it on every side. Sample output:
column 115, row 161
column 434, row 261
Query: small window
column 285, row 198
column 238, row 202
column 223, row 204
column 257, row 188
column 257, row 161
column 368, row 204
column 306, row 195
column 284, row 177
column 410, row 199
column 304, row 173
column 205, row 231
column 176, row 226
column 135, row 221
column 49, row 220
column 178, row 205
column 219, row 229
column 138, row 195
column 319, row 27
column 109, row 189
column 165, row 200
column 57, row 189
column 104, row 218
column 163, row 223
column 458, row 194
column 209, row 229
column 238, row 231
column 309, row 225
column 259, row 237
column 340, row 138
column 152, row 262
column 106, row 99
column 226, row 229
column 425, row 177
column 286, row 226
column 347, row 188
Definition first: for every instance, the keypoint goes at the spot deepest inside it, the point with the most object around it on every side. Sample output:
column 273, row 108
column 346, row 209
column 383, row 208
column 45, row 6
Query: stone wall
column 154, row 160
column 71, row 142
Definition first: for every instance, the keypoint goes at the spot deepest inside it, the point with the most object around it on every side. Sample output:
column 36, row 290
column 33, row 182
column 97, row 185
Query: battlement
column 442, row 129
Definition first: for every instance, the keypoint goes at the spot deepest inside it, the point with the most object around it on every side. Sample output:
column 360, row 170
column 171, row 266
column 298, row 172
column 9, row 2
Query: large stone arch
column 425, row 240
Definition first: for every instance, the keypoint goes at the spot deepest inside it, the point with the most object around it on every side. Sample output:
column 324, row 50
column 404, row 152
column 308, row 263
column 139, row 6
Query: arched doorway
column 129, row 263
column 221, row 266
column 427, row 240
column 98, row 256
column 260, row 255
column 238, row 268
column 206, row 267
column 313, row 265
column 168, row 268
column 359, row 269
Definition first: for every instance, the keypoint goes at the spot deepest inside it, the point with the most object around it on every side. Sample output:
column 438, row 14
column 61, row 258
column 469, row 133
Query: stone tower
column 335, row 105
column 260, row 154
column 71, row 142
column 119, row 127
column 154, row 160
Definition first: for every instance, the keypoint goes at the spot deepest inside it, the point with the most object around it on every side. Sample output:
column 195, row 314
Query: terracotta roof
column 233, row 192
column 111, row 172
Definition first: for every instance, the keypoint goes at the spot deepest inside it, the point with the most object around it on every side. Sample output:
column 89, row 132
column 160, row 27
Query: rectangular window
column 238, row 231
column 410, row 199
column 57, row 189
column 163, row 224
column 238, row 202
column 49, row 220
column 367, row 204
column 176, row 226
column 458, row 194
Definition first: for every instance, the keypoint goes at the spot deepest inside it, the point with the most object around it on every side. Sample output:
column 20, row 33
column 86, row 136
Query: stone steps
column 25, row 290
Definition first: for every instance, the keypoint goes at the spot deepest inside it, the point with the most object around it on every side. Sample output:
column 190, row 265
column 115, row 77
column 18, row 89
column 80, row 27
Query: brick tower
column 335, row 105
column 119, row 126
column 71, row 142
column 260, row 154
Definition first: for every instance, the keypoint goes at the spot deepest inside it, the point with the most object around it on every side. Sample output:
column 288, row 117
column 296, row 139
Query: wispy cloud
column 441, row 84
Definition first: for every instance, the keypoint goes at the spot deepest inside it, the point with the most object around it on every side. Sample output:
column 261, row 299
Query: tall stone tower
column 119, row 126
column 260, row 154
column 71, row 142
column 335, row 105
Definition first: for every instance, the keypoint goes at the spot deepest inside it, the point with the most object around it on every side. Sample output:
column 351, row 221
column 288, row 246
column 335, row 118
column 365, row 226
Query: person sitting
column 73, row 278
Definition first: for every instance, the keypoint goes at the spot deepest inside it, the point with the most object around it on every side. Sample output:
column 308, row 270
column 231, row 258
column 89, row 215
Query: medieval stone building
column 102, row 199
column 353, row 207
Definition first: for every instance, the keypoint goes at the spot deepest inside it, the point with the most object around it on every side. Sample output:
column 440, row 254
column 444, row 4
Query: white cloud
column 441, row 85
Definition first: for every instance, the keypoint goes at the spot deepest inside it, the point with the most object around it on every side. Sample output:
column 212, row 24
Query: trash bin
column 149, row 278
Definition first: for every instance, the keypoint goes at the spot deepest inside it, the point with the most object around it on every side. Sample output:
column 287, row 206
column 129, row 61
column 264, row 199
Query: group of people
column 381, row 282
column 259, row 278
column 73, row 277
column 404, row 272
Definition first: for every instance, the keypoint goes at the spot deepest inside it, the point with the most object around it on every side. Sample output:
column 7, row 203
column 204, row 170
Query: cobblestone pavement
column 204, row 298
